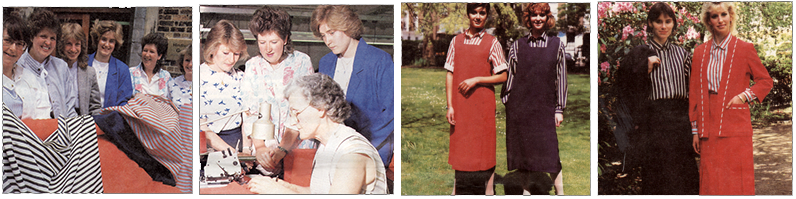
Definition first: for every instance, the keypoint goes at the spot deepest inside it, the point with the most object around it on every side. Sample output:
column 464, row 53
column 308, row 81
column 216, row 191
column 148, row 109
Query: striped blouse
column 670, row 79
column 496, row 56
column 718, row 53
column 561, row 68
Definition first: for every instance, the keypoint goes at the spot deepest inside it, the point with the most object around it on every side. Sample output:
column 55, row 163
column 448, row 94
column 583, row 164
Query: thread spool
column 263, row 128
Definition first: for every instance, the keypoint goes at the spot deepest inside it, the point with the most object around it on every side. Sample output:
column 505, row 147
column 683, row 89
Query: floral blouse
column 220, row 96
column 181, row 91
column 157, row 86
column 264, row 83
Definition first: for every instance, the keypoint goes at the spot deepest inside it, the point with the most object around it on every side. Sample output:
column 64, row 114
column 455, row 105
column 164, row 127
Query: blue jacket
column 370, row 94
column 119, row 85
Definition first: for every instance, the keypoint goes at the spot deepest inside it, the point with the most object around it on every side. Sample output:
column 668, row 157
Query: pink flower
column 602, row 9
column 691, row 33
column 627, row 31
column 604, row 67
column 643, row 33
column 681, row 39
column 621, row 7
column 602, row 48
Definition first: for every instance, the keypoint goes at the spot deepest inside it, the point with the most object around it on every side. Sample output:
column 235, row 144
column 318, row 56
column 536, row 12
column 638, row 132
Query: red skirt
column 727, row 163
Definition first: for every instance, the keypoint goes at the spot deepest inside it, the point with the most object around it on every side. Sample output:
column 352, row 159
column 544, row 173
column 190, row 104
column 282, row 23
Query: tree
column 571, row 14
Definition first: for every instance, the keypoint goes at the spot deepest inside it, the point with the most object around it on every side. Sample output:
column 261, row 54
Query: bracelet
column 282, row 149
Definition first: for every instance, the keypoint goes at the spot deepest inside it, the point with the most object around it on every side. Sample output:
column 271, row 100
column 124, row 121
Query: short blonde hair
column 101, row 27
column 730, row 6
column 337, row 17
column 224, row 32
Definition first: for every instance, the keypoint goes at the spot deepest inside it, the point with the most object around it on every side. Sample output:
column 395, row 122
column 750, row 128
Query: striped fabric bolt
column 561, row 68
column 670, row 79
column 155, row 121
column 66, row 162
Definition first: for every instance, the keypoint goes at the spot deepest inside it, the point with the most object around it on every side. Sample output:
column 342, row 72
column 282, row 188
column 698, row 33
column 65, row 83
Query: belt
column 713, row 92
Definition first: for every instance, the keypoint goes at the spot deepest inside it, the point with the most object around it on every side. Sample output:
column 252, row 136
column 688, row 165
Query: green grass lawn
column 424, row 135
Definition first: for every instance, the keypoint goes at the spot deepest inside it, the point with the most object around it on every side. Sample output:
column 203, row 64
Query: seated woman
column 220, row 114
column 113, row 75
column 181, row 87
column 72, row 49
column 345, row 162
column 149, row 76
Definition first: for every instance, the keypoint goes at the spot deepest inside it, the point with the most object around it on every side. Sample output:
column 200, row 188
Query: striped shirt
column 670, row 79
column 561, row 68
column 496, row 56
column 718, row 53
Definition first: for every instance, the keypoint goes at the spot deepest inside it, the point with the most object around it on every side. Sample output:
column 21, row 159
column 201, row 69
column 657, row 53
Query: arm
column 449, row 97
column 213, row 139
column 498, row 61
column 125, row 82
column 269, row 157
column 561, row 85
column 352, row 174
column 268, row 185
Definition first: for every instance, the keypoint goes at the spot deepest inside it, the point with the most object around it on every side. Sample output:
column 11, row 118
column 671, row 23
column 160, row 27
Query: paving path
column 773, row 156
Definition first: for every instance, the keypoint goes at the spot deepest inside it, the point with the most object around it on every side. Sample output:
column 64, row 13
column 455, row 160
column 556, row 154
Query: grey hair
column 323, row 94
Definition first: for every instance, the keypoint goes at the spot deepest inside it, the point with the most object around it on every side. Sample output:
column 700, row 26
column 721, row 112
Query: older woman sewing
column 346, row 162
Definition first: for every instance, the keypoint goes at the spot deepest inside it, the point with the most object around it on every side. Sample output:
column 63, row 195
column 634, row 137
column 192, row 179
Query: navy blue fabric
column 118, row 132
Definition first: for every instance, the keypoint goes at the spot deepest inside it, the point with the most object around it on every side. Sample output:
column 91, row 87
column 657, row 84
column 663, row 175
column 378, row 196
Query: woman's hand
column 269, row 157
column 652, row 62
column 559, row 119
column 264, row 185
column 468, row 84
column 449, row 115
column 695, row 143
column 736, row 100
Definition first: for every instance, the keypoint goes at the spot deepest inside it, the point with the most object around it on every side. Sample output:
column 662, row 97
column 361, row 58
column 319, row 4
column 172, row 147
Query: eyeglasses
column 295, row 113
column 17, row 42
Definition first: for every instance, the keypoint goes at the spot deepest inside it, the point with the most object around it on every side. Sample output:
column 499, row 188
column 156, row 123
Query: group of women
column 309, row 110
column 535, row 61
column 684, row 103
column 86, row 83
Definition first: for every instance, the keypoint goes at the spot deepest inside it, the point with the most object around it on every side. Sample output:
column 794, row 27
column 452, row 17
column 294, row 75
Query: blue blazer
column 119, row 85
column 370, row 94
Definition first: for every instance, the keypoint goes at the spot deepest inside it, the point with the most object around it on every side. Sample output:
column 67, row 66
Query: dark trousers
column 472, row 182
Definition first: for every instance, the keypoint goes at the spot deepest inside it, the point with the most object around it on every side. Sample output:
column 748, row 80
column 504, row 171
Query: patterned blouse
column 157, row 86
column 181, row 92
column 264, row 83
column 220, row 96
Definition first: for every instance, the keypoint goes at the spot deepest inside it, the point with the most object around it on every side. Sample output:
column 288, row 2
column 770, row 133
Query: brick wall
column 175, row 24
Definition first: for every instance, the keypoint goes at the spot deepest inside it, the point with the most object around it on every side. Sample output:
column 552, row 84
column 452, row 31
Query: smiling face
column 337, row 41
column 224, row 59
column 106, row 44
column 12, row 49
column 538, row 20
column 720, row 21
column 271, row 46
column 149, row 56
column 43, row 44
column 662, row 28
column 187, row 65
column 477, row 17
column 72, row 48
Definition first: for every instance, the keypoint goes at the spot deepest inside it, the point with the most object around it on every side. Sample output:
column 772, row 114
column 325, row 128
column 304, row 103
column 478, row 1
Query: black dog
column 538, row 183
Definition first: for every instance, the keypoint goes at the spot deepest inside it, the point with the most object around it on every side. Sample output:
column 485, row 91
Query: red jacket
column 740, row 65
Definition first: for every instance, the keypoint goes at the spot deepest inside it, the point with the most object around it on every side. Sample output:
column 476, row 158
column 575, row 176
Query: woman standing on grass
column 479, row 63
column 535, row 96
column 719, row 93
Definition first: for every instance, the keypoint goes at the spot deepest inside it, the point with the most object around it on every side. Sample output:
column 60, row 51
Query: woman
column 268, row 73
column 718, row 95
column 181, row 92
column 15, row 36
column 72, row 49
column 346, row 162
column 535, row 97
column 149, row 76
column 113, row 75
column 479, row 63
column 653, row 82
column 220, row 112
